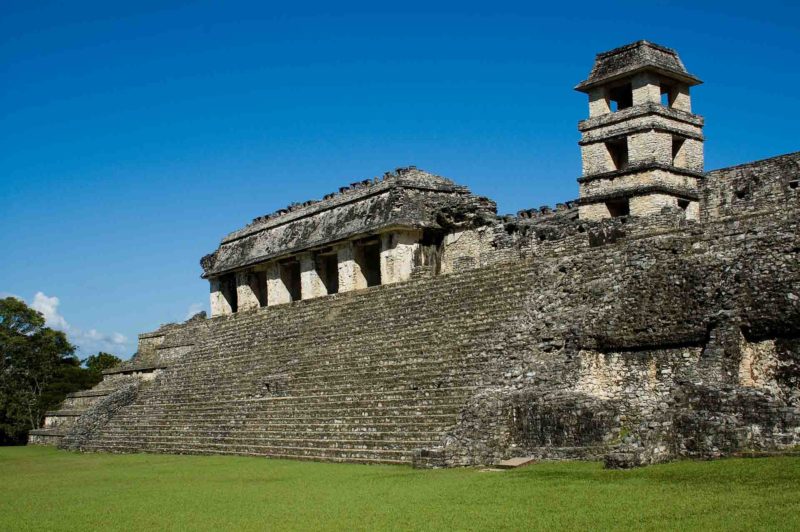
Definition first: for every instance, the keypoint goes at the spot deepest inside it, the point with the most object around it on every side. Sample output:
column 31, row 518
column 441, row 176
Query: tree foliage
column 101, row 361
column 37, row 369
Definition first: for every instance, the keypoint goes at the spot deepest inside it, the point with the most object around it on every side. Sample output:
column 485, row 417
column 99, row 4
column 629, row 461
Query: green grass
column 45, row 489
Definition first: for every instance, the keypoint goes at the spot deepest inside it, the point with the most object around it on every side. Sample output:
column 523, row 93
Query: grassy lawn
column 45, row 489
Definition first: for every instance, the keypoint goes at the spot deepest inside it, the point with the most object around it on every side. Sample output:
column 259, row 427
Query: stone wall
column 758, row 186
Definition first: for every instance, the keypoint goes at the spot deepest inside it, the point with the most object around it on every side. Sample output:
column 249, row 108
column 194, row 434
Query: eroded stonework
column 402, row 321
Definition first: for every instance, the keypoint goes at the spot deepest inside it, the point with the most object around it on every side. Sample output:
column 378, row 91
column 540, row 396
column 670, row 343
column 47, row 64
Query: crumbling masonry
column 401, row 320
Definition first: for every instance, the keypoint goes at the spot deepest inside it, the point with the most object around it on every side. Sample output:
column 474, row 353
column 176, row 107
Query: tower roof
column 635, row 57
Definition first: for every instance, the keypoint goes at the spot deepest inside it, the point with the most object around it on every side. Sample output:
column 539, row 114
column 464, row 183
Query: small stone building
column 373, row 232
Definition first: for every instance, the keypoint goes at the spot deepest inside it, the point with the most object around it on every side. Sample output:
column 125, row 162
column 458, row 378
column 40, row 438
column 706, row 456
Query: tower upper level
column 641, row 147
column 637, row 74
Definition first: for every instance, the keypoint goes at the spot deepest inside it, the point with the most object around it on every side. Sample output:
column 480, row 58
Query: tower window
column 617, row 208
column 678, row 154
column 669, row 93
column 794, row 184
column 618, row 149
column 683, row 204
column 621, row 97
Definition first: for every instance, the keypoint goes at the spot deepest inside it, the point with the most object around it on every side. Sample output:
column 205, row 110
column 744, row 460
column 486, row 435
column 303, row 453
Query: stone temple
column 401, row 320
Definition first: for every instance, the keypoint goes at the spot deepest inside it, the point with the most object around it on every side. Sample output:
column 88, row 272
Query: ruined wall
column 762, row 185
column 168, row 343
column 644, row 344
column 467, row 249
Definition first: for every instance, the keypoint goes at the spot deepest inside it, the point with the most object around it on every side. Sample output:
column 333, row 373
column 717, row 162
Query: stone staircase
column 58, row 422
column 359, row 377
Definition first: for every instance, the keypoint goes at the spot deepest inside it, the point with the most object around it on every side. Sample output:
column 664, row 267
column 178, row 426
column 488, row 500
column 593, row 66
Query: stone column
column 651, row 204
column 596, row 158
column 350, row 275
column 693, row 154
column 682, row 100
column 650, row 147
column 245, row 293
column 693, row 211
column 311, row 284
column 646, row 88
column 219, row 305
column 598, row 102
column 397, row 255
column 277, row 293
column 593, row 211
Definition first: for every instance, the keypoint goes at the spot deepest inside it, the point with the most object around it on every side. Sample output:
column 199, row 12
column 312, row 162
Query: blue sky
column 135, row 136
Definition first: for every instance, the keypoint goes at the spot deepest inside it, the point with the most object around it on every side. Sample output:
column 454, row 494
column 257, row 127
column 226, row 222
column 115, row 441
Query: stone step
column 48, row 432
column 94, row 392
column 353, row 396
column 80, row 403
column 265, row 407
column 314, row 337
column 44, row 437
column 433, row 364
column 396, row 365
column 265, row 453
column 345, row 385
column 513, row 463
column 264, row 450
column 278, row 403
column 287, row 401
column 414, row 427
column 232, row 421
column 420, row 437
column 208, row 396
column 64, row 413
column 235, row 439
column 402, row 379
column 52, row 422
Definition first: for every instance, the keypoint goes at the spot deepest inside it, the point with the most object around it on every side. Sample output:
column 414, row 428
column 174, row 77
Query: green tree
column 101, row 361
column 69, row 377
column 31, row 358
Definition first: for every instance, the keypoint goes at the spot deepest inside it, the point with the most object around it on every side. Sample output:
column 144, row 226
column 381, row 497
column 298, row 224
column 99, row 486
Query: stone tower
column 641, row 147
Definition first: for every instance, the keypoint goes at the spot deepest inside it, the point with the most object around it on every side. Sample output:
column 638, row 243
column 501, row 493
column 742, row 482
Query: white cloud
column 193, row 309
column 89, row 341
column 48, row 306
